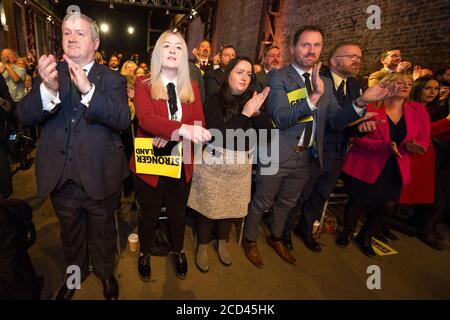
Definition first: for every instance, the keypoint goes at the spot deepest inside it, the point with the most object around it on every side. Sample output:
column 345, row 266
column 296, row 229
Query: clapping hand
column 253, row 106
column 394, row 150
column 78, row 76
column 403, row 66
column 317, row 83
column 381, row 91
column 414, row 147
column 48, row 73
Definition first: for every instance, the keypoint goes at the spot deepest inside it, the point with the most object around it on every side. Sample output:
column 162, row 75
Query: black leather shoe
column 343, row 239
column 181, row 266
column 110, row 288
column 144, row 268
column 389, row 234
column 287, row 240
column 432, row 242
column 311, row 243
column 366, row 246
column 65, row 293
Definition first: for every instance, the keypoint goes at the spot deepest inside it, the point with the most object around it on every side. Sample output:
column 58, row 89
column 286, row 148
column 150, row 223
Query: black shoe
column 297, row 231
column 432, row 242
column 343, row 239
column 144, row 268
column 110, row 288
column 311, row 243
column 287, row 240
column 389, row 234
column 181, row 266
column 64, row 293
column 382, row 238
column 365, row 245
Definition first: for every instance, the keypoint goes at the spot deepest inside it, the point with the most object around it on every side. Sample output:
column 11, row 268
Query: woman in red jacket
column 424, row 189
column 167, row 107
column 377, row 165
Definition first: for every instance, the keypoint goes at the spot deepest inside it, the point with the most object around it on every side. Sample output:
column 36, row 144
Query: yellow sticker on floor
column 381, row 248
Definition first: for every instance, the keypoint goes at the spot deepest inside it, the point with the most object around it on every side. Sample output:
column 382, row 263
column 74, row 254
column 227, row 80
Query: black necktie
column 341, row 93
column 309, row 124
column 306, row 75
column 172, row 100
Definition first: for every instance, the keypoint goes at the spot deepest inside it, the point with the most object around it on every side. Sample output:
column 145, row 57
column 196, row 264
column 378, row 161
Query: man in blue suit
column 300, row 103
column 344, row 65
column 80, row 163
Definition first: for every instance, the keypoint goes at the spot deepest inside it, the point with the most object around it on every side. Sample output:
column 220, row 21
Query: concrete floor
column 417, row 272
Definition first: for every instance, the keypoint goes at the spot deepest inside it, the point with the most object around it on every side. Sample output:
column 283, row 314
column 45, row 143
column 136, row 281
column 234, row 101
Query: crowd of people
column 386, row 138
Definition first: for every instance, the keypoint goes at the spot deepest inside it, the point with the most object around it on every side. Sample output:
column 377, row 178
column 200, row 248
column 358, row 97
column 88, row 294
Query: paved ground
column 417, row 272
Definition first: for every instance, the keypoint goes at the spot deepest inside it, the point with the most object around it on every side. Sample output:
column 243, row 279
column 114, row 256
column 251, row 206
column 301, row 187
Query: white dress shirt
column 50, row 101
column 179, row 112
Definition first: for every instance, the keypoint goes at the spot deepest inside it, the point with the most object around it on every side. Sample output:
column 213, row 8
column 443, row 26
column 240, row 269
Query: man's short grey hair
column 78, row 15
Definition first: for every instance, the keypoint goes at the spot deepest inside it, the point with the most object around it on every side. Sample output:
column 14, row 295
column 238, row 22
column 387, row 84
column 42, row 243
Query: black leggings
column 377, row 214
column 174, row 193
column 206, row 226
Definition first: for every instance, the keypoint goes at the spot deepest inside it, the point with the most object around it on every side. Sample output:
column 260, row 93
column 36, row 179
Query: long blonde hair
column 127, row 63
column 392, row 77
column 184, row 87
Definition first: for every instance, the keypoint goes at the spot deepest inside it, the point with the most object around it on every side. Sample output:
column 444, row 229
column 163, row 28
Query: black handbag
column 162, row 244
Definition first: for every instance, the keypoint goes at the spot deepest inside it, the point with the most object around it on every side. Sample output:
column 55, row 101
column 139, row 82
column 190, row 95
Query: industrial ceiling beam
column 178, row 5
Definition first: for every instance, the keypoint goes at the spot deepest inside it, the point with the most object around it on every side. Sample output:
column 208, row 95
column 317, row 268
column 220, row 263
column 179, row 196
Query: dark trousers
column 206, row 226
column 311, row 202
column 377, row 216
column 174, row 193
column 87, row 225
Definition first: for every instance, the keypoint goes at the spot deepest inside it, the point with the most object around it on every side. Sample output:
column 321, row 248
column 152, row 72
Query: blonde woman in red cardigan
column 167, row 107
column 425, row 191
column 377, row 165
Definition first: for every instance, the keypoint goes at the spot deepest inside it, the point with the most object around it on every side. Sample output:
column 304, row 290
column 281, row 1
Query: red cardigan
column 154, row 121
column 422, row 186
column 369, row 154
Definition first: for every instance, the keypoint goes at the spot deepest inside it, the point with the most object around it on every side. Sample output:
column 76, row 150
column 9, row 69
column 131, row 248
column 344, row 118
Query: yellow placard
column 157, row 161
column 294, row 97
column 381, row 248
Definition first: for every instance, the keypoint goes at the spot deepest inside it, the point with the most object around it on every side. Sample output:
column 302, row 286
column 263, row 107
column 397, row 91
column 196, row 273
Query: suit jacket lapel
column 409, row 122
column 384, row 127
column 94, row 76
column 293, row 74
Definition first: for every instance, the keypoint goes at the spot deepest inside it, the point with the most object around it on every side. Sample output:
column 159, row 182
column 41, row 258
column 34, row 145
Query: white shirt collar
column 88, row 67
column 166, row 81
column 300, row 71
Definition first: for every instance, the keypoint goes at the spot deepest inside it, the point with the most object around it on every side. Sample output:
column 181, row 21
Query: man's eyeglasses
column 352, row 57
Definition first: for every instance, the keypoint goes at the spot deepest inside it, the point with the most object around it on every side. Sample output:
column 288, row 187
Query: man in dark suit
column 201, row 54
column 300, row 103
column 344, row 65
column 271, row 60
column 214, row 77
column 80, row 163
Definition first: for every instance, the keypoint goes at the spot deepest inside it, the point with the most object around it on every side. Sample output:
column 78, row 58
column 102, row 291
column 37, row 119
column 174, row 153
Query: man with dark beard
column 271, row 61
column 344, row 65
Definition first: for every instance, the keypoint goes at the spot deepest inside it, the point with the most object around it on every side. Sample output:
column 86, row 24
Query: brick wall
column 419, row 28
column 237, row 24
